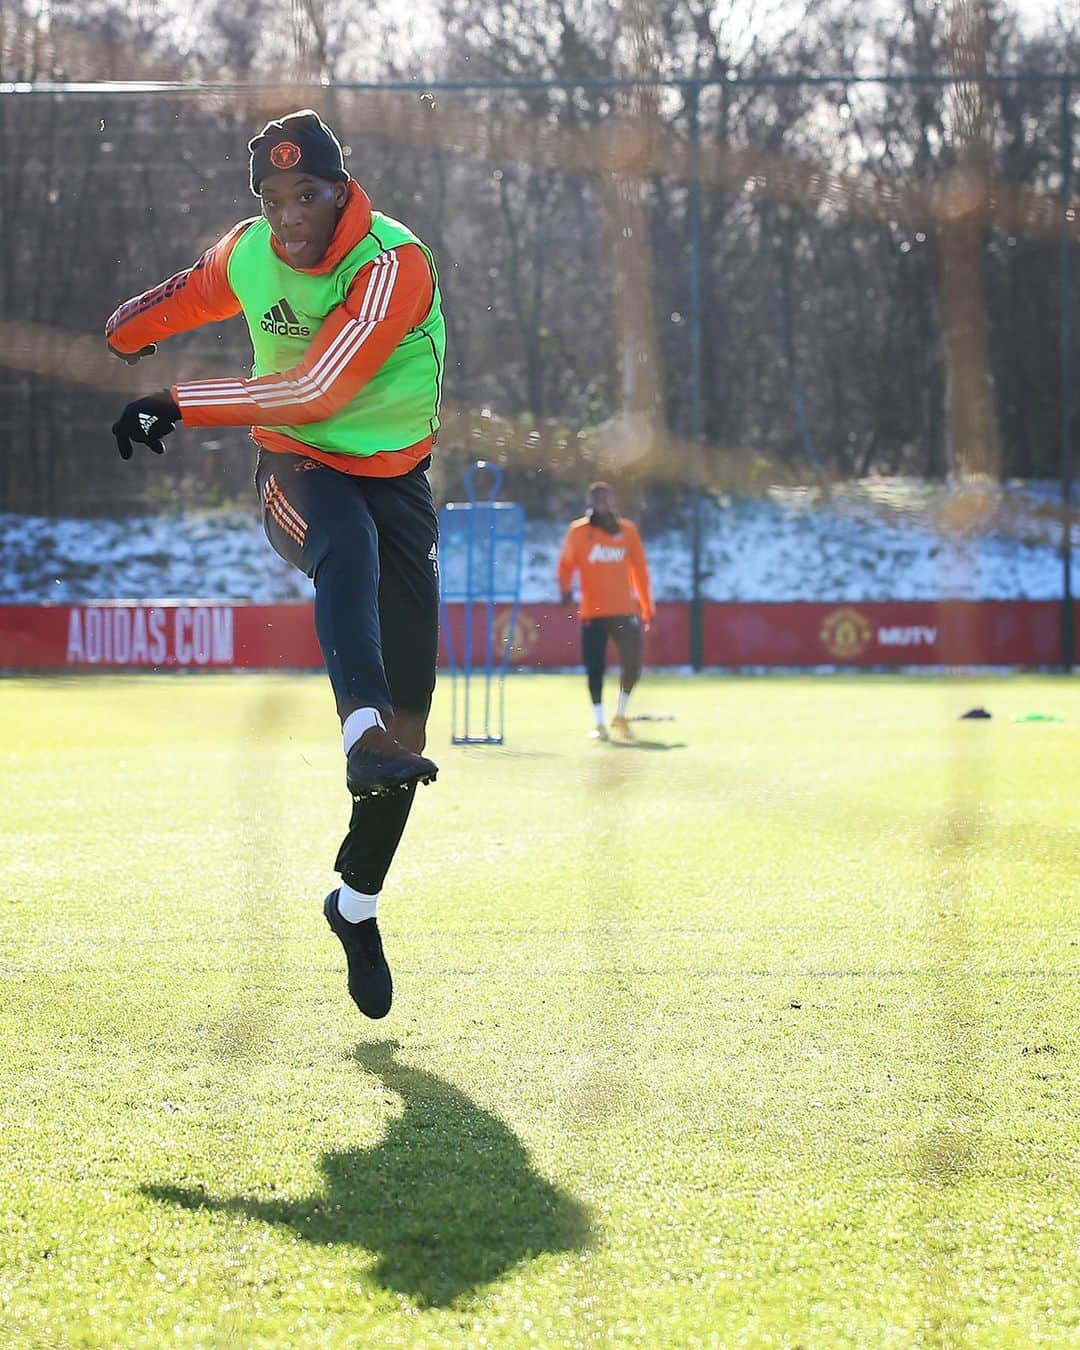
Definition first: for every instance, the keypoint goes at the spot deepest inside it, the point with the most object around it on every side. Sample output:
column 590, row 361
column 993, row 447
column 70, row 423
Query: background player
column 605, row 550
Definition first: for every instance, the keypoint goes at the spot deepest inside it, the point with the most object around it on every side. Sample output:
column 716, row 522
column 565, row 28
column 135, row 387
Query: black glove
column 133, row 358
column 145, row 421
column 567, row 598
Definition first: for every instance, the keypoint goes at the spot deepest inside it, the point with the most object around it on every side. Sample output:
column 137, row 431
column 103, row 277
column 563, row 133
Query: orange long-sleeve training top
column 201, row 294
column 614, row 574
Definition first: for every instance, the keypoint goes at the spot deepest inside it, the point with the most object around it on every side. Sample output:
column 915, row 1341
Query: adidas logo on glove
column 281, row 319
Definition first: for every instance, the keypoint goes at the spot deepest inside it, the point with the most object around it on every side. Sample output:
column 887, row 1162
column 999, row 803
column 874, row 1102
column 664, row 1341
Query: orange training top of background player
column 614, row 574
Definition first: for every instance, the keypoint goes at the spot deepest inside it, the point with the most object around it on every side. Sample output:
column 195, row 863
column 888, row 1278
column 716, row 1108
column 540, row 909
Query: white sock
column 598, row 713
column 624, row 700
column 354, row 726
column 355, row 906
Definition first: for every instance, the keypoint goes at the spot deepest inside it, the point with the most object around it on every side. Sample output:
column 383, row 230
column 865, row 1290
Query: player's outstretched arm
column 198, row 295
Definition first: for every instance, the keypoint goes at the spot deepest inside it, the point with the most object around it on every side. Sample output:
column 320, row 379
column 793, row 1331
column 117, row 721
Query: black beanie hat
column 301, row 143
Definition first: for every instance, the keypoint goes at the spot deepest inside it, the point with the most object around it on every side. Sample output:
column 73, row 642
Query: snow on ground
column 885, row 539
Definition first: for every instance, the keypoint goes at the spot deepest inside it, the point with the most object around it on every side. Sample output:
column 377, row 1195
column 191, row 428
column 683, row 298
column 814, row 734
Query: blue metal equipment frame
column 480, row 556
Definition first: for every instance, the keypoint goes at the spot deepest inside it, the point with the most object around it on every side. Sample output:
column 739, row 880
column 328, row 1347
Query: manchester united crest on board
column 845, row 633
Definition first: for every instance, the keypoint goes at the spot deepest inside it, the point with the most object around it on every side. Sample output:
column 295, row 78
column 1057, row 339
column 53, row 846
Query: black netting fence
column 853, row 292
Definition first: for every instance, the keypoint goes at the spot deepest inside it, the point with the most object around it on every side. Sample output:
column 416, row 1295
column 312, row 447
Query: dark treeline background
column 880, row 265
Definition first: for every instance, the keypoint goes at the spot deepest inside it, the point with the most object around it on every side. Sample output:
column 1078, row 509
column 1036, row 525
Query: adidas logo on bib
column 281, row 319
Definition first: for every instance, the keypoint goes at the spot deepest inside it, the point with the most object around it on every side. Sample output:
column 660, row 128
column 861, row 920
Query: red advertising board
column 157, row 635
column 203, row 635
column 896, row 633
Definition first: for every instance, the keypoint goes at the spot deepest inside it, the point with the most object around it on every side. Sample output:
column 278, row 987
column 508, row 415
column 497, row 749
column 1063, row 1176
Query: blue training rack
column 481, row 547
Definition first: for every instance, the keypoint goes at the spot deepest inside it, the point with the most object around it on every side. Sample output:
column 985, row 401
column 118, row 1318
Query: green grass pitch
column 763, row 1032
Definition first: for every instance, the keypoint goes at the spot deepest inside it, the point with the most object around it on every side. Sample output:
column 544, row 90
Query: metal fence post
column 697, row 625
column 1067, row 634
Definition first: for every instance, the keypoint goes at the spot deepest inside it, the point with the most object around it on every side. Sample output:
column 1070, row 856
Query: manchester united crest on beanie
column 301, row 142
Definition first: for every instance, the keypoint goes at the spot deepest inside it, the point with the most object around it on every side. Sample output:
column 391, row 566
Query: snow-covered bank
column 876, row 540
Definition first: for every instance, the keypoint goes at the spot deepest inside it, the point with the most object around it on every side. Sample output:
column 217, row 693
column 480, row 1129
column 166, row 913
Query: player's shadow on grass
column 448, row 1200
